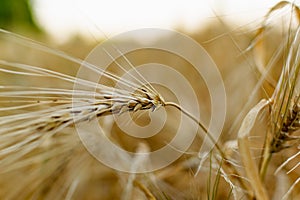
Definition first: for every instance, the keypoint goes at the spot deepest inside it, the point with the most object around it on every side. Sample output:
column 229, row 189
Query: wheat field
column 54, row 104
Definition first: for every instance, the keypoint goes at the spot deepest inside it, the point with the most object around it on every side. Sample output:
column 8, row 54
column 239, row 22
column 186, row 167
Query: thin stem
column 198, row 123
column 218, row 147
column 266, row 156
column 264, row 165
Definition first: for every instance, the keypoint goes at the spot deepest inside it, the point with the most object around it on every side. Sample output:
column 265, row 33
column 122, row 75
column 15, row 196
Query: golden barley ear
column 284, row 117
column 35, row 117
column 283, row 125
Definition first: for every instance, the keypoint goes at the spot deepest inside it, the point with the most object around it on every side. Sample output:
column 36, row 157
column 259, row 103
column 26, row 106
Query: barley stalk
column 284, row 103
column 43, row 112
column 285, row 108
column 68, row 103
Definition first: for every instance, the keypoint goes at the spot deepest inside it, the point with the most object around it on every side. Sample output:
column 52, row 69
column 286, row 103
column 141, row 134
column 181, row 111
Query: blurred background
column 224, row 28
column 64, row 18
